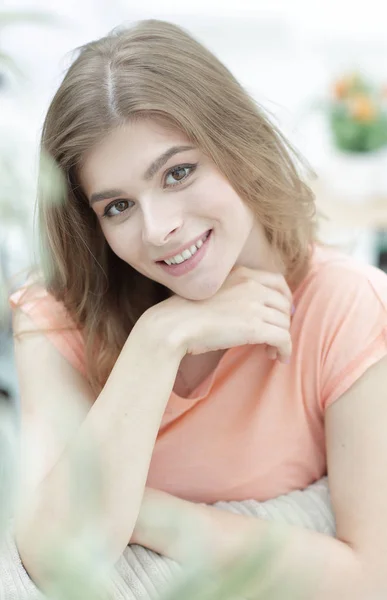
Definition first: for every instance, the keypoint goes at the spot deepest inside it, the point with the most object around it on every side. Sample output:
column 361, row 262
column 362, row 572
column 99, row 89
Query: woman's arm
column 119, row 427
column 353, row 566
column 122, row 424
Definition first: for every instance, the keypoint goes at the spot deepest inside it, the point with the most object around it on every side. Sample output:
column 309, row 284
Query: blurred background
column 318, row 67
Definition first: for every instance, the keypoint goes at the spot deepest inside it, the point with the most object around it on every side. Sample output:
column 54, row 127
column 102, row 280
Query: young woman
column 185, row 313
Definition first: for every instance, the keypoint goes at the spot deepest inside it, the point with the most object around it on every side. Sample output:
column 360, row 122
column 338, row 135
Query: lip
column 182, row 248
column 188, row 265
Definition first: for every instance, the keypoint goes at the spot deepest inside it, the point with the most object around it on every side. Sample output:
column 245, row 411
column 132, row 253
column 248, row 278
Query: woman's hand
column 252, row 307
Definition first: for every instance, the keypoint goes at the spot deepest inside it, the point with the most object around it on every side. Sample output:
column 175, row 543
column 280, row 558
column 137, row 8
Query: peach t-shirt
column 255, row 428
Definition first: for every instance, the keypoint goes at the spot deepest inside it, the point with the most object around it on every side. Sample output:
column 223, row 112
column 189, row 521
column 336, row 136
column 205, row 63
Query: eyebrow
column 148, row 175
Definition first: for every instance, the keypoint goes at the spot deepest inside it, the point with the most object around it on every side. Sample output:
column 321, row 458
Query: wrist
column 157, row 523
column 169, row 526
column 163, row 327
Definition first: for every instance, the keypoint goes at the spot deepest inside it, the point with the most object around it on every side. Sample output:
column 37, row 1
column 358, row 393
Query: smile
column 188, row 253
column 188, row 259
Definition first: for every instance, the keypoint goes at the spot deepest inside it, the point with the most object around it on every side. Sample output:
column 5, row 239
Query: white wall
column 285, row 52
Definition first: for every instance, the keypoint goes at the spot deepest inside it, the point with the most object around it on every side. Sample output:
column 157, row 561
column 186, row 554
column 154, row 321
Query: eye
column 179, row 174
column 120, row 206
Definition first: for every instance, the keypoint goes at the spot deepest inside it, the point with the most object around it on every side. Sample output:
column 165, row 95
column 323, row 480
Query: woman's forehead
column 132, row 149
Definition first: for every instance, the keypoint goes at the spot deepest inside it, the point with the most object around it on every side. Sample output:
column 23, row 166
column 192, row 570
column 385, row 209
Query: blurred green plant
column 8, row 462
column 9, row 18
column 12, row 190
column 357, row 114
column 249, row 576
column 72, row 566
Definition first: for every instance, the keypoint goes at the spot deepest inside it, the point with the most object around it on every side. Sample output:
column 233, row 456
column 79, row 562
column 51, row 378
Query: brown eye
column 179, row 174
column 119, row 207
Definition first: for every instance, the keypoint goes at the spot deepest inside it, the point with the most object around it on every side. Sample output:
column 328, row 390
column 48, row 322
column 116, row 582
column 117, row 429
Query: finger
column 271, row 352
column 272, row 280
column 272, row 316
column 274, row 299
column 280, row 339
column 277, row 282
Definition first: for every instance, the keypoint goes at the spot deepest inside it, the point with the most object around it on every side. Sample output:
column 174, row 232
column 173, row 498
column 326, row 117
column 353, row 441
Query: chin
column 203, row 291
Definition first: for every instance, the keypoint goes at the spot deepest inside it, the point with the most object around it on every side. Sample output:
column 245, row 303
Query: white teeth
column 186, row 254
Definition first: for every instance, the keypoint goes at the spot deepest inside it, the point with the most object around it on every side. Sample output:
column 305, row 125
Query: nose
column 161, row 220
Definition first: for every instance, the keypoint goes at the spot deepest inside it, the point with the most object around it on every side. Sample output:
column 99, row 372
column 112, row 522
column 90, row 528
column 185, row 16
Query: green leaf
column 51, row 181
column 8, row 463
column 8, row 62
column 358, row 136
column 75, row 572
column 8, row 18
column 247, row 577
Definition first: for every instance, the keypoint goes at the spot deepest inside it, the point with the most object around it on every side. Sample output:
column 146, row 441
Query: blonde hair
column 155, row 69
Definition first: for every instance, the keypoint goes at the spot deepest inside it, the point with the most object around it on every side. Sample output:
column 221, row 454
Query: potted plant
column 356, row 112
column 357, row 115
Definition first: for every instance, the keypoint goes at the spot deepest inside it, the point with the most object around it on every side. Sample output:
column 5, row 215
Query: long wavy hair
column 155, row 69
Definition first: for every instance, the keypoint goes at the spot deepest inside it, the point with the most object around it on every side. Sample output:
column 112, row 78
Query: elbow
column 29, row 557
column 49, row 560
column 35, row 549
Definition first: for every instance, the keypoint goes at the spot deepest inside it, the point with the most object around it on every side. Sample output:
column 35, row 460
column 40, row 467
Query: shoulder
column 340, row 320
column 34, row 299
column 336, row 282
column 37, row 310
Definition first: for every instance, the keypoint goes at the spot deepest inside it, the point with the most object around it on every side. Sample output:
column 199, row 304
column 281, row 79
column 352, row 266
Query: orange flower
column 362, row 108
column 342, row 87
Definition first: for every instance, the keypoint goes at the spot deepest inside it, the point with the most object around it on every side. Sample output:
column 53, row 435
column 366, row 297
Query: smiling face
column 157, row 198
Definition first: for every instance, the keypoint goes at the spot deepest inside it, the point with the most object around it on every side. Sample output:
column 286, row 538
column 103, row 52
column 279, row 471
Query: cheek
column 216, row 198
column 123, row 243
column 225, row 204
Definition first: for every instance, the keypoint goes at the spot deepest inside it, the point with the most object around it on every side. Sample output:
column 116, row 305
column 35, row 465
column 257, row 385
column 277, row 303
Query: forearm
column 322, row 567
column 117, row 436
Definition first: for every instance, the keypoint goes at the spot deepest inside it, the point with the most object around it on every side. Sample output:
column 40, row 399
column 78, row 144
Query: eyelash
column 192, row 168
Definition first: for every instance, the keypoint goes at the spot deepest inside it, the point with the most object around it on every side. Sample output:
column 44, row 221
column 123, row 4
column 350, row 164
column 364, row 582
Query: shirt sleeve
column 353, row 314
column 51, row 317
